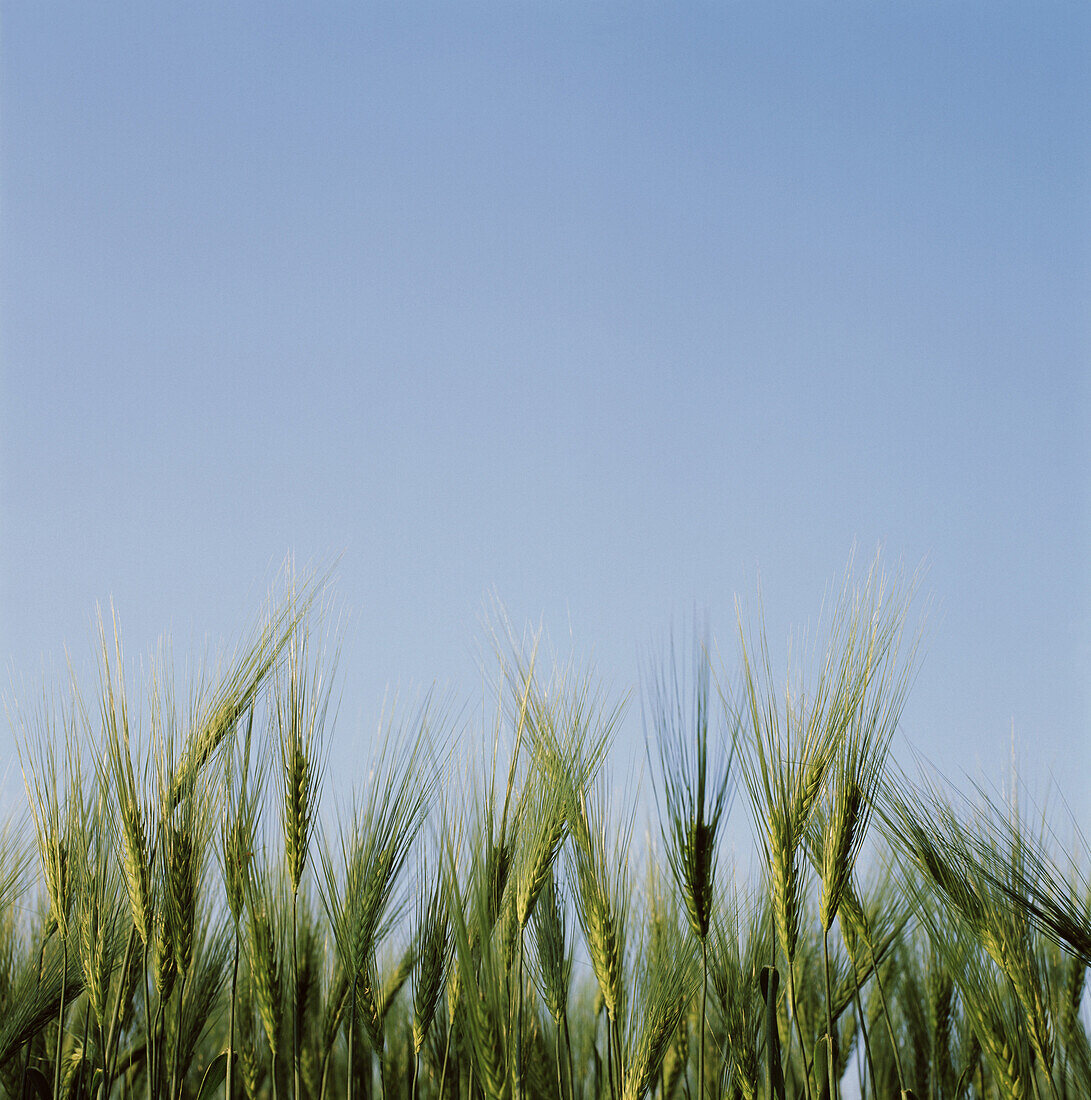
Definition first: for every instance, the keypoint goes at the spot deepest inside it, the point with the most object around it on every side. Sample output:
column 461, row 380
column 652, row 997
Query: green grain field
column 184, row 915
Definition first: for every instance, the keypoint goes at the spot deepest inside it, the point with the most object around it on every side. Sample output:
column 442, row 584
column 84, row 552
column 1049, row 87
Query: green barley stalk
column 301, row 696
column 965, row 860
column 183, row 830
column 333, row 1015
column 131, row 805
column 554, row 955
column 434, row 939
column 740, row 945
column 216, row 709
column 840, row 723
column 358, row 880
column 98, row 918
column 231, row 694
column 238, row 839
column 482, row 977
column 694, row 801
column 542, row 810
column 58, row 829
column 602, row 893
column 872, row 921
column 872, row 694
column 664, row 984
column 264, row 958
column 789, row 746
column 116, row 771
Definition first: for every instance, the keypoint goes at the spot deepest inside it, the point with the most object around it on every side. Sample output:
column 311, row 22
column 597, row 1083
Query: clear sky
column 610, row 309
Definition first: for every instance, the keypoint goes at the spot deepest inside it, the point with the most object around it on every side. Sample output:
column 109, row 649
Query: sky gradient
column 613, row 311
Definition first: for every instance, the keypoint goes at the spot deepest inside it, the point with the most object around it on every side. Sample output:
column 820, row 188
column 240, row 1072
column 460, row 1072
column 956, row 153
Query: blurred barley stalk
column 180, row 916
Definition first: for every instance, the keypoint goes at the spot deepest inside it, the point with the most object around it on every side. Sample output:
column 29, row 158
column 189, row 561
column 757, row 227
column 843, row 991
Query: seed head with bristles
column 239, row 826
column 301, row 701
column 265, row 955
column 220, row 706
column 358, row 881
column 97, row 908
column 55, row 796
column 871, row 692
column 666, row 979
column 116, row 771
column 553, row 949
column 795, row 737
column 541, row 840
column 434, row 955
column 602, row 896
column 695, row 778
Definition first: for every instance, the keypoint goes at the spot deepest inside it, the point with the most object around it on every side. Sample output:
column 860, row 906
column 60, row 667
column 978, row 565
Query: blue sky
column 609, row 309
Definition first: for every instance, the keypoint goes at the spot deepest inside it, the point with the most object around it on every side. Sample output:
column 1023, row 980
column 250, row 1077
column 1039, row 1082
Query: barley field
column 181, row 918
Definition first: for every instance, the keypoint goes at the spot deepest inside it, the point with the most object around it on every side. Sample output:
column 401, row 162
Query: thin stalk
column 103, row 1087
column 568, row 1052
column 83, row 1049
column 799, row 1029
column 175, row 1086
column 325, row 1074
column 610, row 1059
column 701, row 1034
column 26, row 1045
column 113, row 1035
column 352, row 1043
column 295, row 1002
column 886, row 1014
column 60, row 1019
column 229, row 1077
column 519, row 1026
column 155, row 1042
column 446, row 1051
column 834, row 1087
column 148, row 1052
column 863, row 1028
column 557, row 1051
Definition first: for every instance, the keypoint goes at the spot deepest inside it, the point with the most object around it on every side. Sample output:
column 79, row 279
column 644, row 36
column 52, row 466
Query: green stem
column 886, row 1012
column 83, row 1049
column 351, row 1073
column 519, row 1026
column 113, row 1035
column 701, row 1032
column 863, row 1026
column 26, row 1045
column 381, row 1055
column 610, row 1059
column 325, row 1074
column 1034, row 1082
column 557, row 1051
column 156, row 1044
column 295, row 1001
column 799, row 1027
column 175, row 1085
column 834, row 1083
column 568, row 1053
column 60, row 1019
column 229, row 1076
column 148, row 1052
column 446, row 1051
